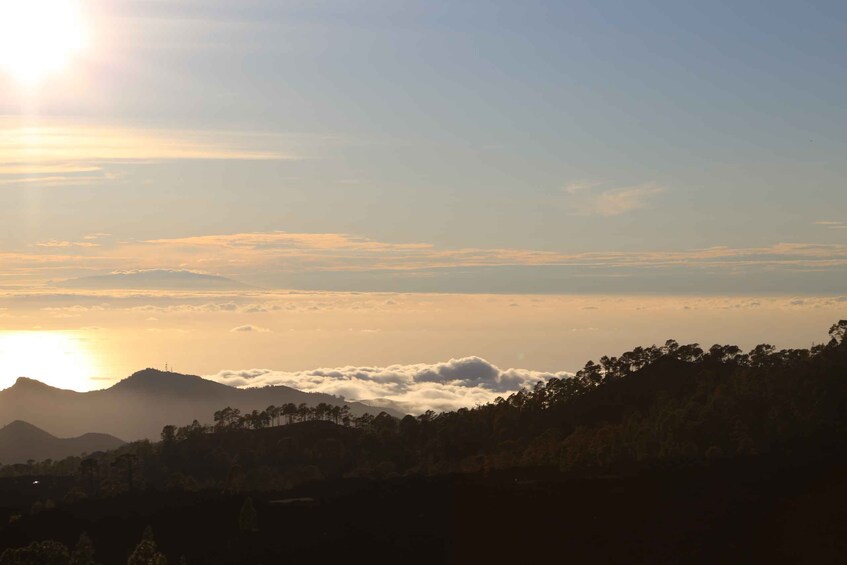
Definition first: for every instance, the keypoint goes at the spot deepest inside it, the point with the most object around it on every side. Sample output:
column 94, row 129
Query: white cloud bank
column 440, row 387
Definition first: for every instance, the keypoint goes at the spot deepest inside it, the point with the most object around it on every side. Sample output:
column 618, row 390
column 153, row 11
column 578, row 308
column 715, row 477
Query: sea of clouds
column 415, row 388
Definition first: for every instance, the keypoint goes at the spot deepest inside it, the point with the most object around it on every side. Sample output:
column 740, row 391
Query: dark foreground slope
column 757, row 510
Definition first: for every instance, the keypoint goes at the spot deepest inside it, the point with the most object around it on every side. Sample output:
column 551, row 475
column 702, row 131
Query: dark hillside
column 758, row 510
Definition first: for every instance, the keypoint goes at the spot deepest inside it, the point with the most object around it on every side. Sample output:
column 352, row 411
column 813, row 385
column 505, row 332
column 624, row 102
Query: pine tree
column 248, row 519
column 83, row 553
column 146, row 552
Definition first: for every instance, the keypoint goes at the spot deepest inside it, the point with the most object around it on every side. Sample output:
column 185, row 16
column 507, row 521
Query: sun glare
column 39, row 37
column 54, row 358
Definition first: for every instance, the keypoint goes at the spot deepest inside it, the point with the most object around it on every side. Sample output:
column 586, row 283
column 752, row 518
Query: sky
column 489, row 168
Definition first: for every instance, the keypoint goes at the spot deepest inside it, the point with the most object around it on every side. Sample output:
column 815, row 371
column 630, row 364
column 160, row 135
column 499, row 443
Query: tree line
column 51, row 552
column 229, row 419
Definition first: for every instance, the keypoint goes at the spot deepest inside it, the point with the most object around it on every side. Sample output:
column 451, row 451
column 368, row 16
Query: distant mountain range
column 153, row 279
column 390, row 406
column 139, row 406
column 20, row 442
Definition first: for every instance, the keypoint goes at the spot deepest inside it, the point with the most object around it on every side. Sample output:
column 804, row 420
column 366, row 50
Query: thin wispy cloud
column 578, row 187
column 64, row 153
column 833, row 225
column 271, row 256
column 54, row 180
column 341, row 252
column 26, row 169
column 66, row 144
column 62, row 244
column 588, row 199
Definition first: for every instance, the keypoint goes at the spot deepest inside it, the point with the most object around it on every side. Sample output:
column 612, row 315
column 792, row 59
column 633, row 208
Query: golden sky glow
column 91, row 339
column 61, row 147
column 57, row 358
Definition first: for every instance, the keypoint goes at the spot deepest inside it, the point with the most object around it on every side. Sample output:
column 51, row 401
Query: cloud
column 833, row 225
column 249, row 328
column 54, row 180
column 74, row 310
column 443, row 386
column 61, row 146
column 344, row 262
column 298, row 252
column 213, row 307
column 66, row 153
column 579, row 187
column 621, row 201
column 27, row 169
column 585, row 199
column 57, row 243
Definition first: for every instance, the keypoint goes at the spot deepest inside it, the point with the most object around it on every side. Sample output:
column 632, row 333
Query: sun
column 54, row 358
column 39, row 37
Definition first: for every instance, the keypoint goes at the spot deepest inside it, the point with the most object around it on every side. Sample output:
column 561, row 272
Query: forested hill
column 653, row 406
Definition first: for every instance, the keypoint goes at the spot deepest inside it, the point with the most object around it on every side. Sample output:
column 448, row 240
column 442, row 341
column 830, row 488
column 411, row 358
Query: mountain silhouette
column 139, row 406
column 21, row 441
column 155, row 382
column 154, row 279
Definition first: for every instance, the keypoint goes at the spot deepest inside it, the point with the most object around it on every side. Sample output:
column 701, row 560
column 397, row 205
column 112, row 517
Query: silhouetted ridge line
column 140, row 405
column 22, row 383
column 154, row 279
column 21, row 441
column 156, row 381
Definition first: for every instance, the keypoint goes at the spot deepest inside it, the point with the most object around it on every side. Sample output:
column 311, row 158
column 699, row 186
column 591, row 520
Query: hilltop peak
column 26, row 383
column 29, row 386
column 19, row 424
column 20, row 441
column 23, row 431
column 151, row 372
column 156, row 381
